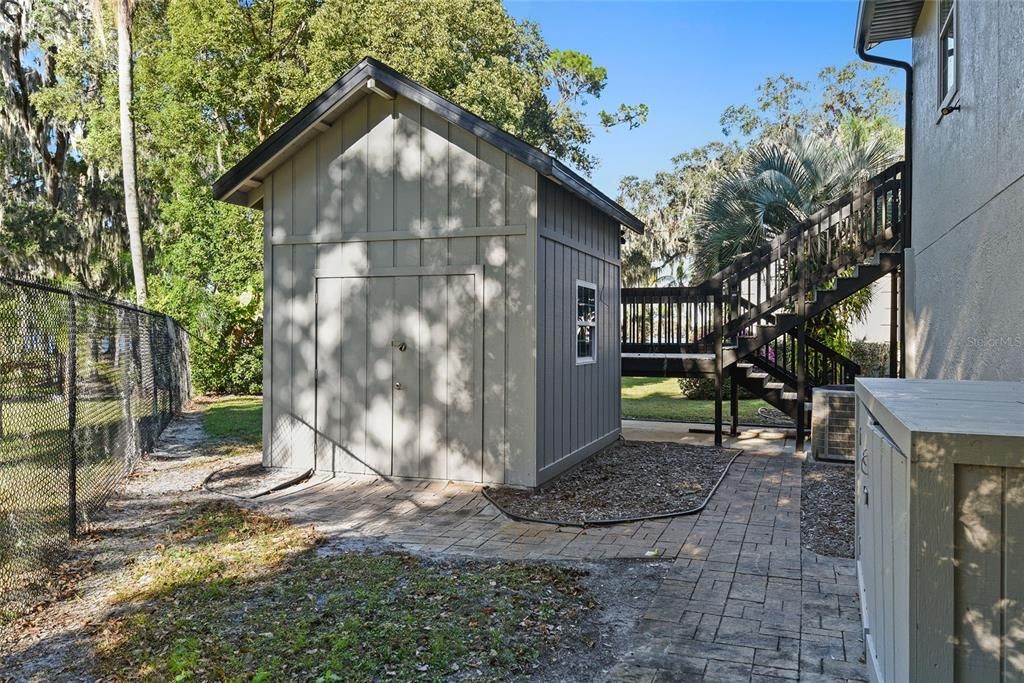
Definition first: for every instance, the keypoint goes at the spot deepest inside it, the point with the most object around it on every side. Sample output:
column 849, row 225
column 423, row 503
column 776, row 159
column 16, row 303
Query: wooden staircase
column 771, row 373
column 749, row 320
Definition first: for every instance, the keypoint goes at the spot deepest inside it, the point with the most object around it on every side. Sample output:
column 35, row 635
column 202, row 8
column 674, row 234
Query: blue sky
column 689, row 60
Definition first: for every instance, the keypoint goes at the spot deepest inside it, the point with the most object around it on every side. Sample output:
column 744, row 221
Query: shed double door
column 399, row 370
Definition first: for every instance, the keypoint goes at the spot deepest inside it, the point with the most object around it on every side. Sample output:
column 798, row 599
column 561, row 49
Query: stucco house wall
column 876, row 325
column 965, row 273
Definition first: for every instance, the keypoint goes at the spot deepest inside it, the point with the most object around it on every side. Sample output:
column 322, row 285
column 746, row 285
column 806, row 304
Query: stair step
column 757, row 375
column 789, row 395
column 744, row 366
column 775, row 385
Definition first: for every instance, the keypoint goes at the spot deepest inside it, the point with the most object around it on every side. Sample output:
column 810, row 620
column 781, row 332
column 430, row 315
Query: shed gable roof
column 370, row 75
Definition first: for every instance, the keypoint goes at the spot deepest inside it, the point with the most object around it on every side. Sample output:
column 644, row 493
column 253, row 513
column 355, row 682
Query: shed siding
column 579, row 411
column 451, row 199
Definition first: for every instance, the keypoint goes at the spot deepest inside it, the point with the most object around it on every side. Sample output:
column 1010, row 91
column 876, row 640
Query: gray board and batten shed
column 442, row 298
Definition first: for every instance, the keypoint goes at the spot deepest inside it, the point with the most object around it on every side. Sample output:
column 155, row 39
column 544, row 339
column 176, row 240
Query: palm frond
column 778, row 184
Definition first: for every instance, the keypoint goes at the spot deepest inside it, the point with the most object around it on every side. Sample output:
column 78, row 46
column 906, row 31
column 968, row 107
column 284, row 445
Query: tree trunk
column 131, row 187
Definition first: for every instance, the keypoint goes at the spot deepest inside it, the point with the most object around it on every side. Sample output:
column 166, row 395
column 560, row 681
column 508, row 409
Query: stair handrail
column 843, row 232
column 870, row 186
column 848, row 368
column 851, row 368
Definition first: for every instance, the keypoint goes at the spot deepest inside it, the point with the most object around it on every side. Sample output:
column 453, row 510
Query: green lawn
column 34, row 480
column 645, row 398
column 658, row 398
column 233, row 417
column 234, row 595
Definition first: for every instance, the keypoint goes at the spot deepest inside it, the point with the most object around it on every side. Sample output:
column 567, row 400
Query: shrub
column 873, row 358
column 703, row 389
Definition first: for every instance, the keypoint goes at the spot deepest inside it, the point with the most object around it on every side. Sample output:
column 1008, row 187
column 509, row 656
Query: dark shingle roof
column 234, row 185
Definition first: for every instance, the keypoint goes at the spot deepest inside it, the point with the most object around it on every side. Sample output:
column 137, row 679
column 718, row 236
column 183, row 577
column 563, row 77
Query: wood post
column 719, row 332
column 734, row 402
column 801, row 344
column 894, row 323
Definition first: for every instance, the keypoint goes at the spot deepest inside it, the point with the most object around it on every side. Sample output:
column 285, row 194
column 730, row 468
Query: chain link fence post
column 72, row 400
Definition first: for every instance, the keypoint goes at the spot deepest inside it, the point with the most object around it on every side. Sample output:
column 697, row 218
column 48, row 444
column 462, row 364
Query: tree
column 123, row 11
column 667, row 204
column 853, row 91
column 779, row 184
column 213, row 79
column 59, row 209
column 475, row 54
column 843, row 101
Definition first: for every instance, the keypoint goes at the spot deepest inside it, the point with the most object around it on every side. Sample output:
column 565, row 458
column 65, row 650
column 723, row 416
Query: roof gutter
column 863, row 22
column 867, row 8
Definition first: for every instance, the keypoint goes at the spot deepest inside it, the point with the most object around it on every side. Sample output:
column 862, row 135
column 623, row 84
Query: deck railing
column 669, row 319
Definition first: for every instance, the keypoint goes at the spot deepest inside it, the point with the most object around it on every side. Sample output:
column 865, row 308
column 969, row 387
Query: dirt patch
column 558, row 621
column 623, row 590
column 627, row 480
column 827, row 517
column 234, row 593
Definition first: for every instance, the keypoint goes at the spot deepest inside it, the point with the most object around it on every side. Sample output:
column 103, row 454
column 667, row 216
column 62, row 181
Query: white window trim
column 592, row 358
column 953, row 94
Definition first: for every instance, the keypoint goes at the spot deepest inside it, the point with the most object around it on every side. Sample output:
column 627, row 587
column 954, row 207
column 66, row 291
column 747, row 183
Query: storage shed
column 442, row 299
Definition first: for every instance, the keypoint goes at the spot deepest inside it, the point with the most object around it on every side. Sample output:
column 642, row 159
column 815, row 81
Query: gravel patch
column 627, row 480
column 827, row 517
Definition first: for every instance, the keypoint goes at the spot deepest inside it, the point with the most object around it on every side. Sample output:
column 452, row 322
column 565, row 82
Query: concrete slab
column 763, row 440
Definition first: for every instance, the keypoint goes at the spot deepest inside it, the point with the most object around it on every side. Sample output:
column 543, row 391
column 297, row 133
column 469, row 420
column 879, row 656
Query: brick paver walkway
column 742, row 601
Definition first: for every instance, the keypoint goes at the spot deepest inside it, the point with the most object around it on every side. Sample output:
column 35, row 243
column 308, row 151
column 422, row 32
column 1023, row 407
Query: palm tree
column 124, row 11
column 779, row 184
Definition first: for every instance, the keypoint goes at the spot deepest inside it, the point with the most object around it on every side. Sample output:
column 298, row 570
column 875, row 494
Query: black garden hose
column 277, row 487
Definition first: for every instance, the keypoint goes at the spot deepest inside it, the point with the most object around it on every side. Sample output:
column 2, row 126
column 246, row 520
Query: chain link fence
column 86, row 386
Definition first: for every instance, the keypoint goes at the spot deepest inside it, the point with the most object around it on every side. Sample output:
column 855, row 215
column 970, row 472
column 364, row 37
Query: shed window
column 947, row 52
column 586, row 322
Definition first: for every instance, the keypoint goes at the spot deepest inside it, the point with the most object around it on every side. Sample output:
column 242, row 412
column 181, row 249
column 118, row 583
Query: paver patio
column 741, row 602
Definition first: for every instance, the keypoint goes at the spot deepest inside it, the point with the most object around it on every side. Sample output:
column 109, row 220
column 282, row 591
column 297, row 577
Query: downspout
column 907, row 180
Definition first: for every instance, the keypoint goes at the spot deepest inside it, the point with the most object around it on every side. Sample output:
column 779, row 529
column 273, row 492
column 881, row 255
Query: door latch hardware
column 398, row 385
column 400, row 345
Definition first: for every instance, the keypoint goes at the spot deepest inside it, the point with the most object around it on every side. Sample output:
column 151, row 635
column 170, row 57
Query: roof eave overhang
column 369, row 76
column 879, row 21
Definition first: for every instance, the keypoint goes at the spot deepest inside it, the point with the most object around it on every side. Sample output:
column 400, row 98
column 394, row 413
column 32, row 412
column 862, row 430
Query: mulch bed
column 827, row 509
column 627, row 480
